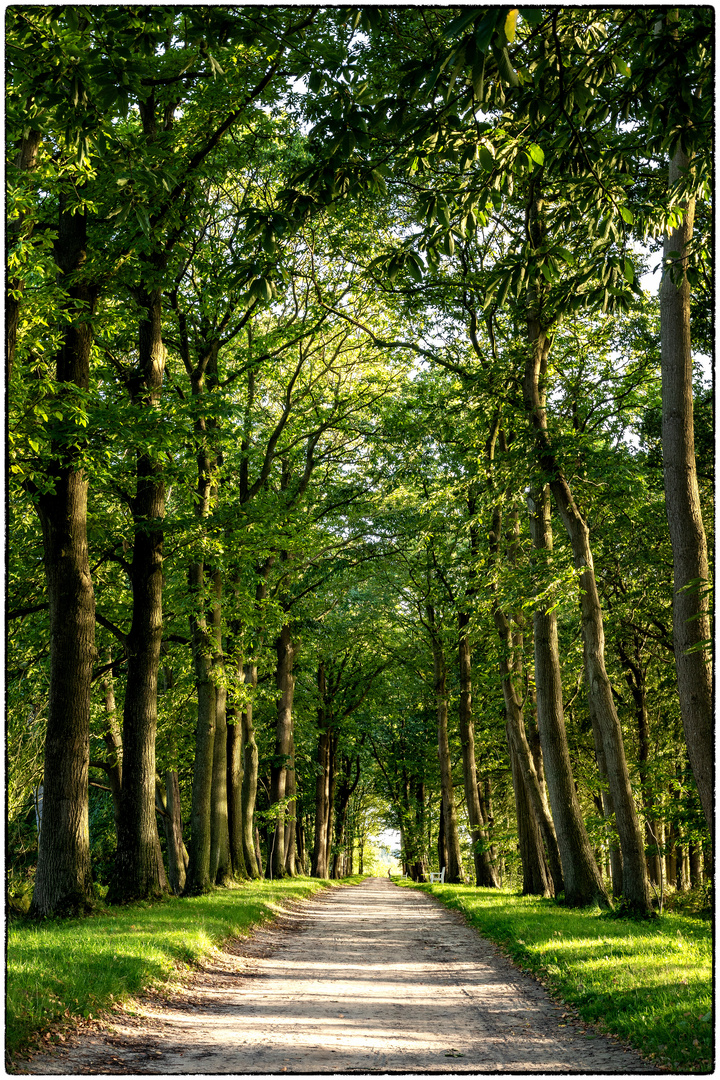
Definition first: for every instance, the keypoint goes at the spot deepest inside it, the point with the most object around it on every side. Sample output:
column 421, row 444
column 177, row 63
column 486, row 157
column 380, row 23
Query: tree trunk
column 113, row 741
column 635, row 678
column 635, row 883
column 695, row 860
column 285, row 683
column 332, row 777
column 517, row 739
column 234, row 790
column 485, row 873
column 616, row 863
column 172, row 821
column 454, row 872
column 220, row 866
column 537, row 879
column 251, row 847
column 581, row 876
column 691, row 619
column 322, row 781
column 291, row 819
column 442, row 850
column 139, row 871
column 63, row 882
column 198, row 876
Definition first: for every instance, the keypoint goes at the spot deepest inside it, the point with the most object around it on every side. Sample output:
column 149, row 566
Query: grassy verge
column 61, row 970
column 648, row 982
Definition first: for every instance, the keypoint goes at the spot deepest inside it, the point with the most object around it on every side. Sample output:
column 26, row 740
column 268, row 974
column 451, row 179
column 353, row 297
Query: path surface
column 369, row 978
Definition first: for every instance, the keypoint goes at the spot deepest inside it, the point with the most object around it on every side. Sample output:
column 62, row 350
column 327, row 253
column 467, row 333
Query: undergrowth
column 59, row 970
column 649, row 982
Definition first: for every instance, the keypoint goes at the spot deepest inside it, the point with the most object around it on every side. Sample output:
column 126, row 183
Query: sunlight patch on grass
column 58, row 970
column 648, row 982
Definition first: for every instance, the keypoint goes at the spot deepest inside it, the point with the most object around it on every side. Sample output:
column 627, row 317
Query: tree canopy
column 355, row 479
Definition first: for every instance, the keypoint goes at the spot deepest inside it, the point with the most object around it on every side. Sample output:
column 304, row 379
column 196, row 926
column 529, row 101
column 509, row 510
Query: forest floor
column 368, row 978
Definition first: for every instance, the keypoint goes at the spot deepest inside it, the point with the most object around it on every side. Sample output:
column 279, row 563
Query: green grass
column 60, row 970
column 648, row 982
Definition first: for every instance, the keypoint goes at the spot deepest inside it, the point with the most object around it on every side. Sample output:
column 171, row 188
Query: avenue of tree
column 354, row 479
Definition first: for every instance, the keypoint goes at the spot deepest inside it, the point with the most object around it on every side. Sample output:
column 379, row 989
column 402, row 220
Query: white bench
column 438, row 877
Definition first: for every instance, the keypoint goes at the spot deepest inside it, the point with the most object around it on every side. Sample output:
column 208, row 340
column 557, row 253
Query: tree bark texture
column 691, row 615
column 285, row 683
column 234, row 790
column 517, row 740
column 581, row 876
column 454, row 872
column 63, row 879
column 322, row 779
column 537, row 879
column 291, row 819
column 616, row 862
column 249, row 781
column 634, row 672
column 485, row 873
column 139, row 871
column 169, row 794
column 113, row 741
column 220, row 867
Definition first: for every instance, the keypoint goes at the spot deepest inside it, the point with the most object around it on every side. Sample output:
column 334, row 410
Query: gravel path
column 366, row 979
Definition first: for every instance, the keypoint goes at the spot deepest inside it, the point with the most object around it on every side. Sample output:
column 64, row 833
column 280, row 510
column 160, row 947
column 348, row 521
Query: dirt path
column 371, row 978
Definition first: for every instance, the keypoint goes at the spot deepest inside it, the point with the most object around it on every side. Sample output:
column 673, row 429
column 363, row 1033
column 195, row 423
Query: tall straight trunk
column 634, row 672
column 322, row 780
column 332, row 780
column 300, row 846
column 291, row 821
column 695, row 861
column 285, row 683
column 485, row 873
column 485, row 800
column 205, row 844
column 63, row 882
column 442, row 850
column 420, row 869
column 198, row 876
column 168, row 795
column 515, row 728
column 220, row 866
column 635, row 882
column 251, row 850
column 139, row 871
column 234, row 792
column 454, row 872
column 616, row 862
column 581, row 876
column 112, row 738
column 537, row 879
column 346, row 788
column 691, row 616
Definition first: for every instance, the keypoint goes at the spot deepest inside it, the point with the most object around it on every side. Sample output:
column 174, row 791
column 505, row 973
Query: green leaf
column 315, row 81
column 533, row 16
column 510, row 24
column 629, row 271
column 486, row 159
column 478, row 75
column 621, row 66
column 627, row 215
column 485, row 31
column 536, row 153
